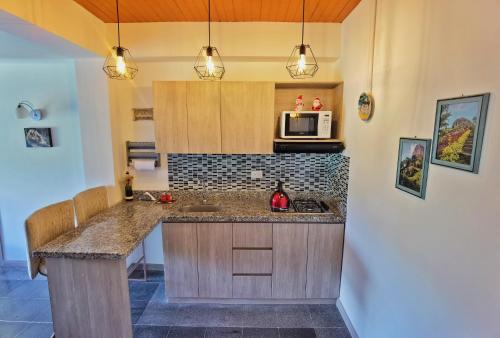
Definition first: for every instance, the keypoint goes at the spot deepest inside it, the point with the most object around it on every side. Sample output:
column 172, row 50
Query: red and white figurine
column 317, row 105
column 299, row 105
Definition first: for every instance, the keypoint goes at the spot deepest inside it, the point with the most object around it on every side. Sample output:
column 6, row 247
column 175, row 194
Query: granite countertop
column 117, row 231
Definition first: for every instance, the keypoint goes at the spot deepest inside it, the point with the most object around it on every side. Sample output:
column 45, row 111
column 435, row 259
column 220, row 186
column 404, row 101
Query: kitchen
column 262, row 205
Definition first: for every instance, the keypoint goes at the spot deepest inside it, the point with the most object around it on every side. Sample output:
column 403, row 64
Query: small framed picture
column 459, row 131
column 413, row 164
column 38, row 137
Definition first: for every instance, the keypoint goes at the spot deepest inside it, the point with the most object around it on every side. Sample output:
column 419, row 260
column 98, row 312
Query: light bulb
column 121, row 67
column 210, row 65
column 302, row 63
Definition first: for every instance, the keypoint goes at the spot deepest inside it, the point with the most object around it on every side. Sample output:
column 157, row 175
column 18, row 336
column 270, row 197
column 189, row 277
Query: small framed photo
column 459, row 131
column 413, row 165
column 38, row 137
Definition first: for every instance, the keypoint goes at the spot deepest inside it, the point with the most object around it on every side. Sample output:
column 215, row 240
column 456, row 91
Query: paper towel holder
column 142, row 151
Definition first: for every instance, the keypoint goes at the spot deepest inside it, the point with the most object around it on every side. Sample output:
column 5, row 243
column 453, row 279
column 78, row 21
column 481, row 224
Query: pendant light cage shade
column 302, row 63
column 120, row 65
column 208, row 64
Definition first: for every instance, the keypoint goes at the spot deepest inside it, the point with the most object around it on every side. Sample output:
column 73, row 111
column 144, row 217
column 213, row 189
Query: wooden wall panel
column 89, row 298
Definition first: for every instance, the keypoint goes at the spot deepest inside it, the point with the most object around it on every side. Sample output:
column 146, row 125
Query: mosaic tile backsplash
column 300, row 172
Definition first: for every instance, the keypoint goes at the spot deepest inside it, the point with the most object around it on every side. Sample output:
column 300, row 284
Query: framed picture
column 458, row 132
column 413, row 164
column 38, row 137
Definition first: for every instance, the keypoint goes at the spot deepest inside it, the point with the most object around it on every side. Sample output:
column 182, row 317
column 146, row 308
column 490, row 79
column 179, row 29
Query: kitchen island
column 242, row 252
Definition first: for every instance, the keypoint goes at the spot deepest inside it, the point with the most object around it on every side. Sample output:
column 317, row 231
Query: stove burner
column 307, row 206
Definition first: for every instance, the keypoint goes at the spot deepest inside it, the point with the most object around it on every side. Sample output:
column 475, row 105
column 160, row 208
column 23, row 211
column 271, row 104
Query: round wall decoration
column 365, row 107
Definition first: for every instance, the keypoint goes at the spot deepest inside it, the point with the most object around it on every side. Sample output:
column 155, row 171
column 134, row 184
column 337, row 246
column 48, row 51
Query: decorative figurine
column 317, row 105
column 299, row 105
column 129, row 192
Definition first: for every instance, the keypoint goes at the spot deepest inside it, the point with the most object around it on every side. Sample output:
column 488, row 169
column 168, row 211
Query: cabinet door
column 289, row 260
column 181, row 259
column 203, row 106
column 170, row 117
column 215, row 260
column 247, row 117
column 324, row 260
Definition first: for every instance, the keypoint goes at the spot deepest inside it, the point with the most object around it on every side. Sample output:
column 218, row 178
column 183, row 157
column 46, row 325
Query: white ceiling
column 22, row 40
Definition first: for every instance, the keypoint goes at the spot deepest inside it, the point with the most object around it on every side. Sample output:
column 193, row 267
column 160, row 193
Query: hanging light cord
column 118, row 21
column 373, row 45
column 209, row 41
column 303, row 15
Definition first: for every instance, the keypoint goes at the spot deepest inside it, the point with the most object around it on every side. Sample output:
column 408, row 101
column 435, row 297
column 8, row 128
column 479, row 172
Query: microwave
column 306, row 124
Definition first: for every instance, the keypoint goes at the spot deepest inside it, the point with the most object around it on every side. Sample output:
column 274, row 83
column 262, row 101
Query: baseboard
column 263, row 301
column 346, row 319
column 15, row 263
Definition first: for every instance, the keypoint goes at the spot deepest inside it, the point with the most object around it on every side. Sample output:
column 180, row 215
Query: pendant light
column 302, row 64
column 119, row 64
column 208, row 63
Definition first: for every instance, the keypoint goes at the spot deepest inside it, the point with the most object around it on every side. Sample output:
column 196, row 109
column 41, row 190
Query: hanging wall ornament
column 365, row 107
column 365, row 101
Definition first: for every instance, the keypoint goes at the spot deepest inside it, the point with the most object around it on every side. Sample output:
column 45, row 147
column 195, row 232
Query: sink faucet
column 202, row 180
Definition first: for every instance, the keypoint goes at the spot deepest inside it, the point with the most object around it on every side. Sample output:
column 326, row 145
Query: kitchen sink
column 201, row 208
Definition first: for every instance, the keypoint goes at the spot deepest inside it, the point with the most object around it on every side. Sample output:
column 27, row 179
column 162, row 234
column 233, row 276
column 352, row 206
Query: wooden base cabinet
column 289, row 260
column 215, row 260
column 324, row 260
column 180, row 245
column 253, row 261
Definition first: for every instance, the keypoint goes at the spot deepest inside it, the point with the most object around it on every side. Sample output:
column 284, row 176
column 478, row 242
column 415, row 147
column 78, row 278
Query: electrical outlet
column 256, row 174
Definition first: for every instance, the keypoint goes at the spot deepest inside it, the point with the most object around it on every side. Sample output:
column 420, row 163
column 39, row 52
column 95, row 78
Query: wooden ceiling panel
column 222, row 10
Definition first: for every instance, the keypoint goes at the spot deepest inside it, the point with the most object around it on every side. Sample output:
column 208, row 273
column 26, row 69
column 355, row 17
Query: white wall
column 31, row 178
column 95, row 128
column 415, row 268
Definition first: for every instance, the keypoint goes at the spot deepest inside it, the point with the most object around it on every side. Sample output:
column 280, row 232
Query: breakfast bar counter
column 87, row 272
column 117, row 231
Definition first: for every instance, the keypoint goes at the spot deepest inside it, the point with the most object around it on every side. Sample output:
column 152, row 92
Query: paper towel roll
column 144, row 165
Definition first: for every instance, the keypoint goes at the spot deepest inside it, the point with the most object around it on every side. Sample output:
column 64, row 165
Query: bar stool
column 43, row 226
column 89, row 203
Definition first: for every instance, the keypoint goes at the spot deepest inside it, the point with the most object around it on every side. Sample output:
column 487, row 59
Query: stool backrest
column 90, row 202
column 45, row 225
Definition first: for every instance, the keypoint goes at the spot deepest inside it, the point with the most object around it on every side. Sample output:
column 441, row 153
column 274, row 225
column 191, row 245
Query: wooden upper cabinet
column 204, row 125
column 171, row 119
column 247, row 117
column 214, row 117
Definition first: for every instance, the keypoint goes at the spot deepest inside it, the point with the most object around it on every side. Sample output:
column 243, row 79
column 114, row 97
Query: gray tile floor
column 25, row 312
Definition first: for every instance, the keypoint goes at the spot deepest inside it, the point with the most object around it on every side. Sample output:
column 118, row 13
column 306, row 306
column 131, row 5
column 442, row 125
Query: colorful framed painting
column 413, row 165
column 459, row 131
column 38, row 137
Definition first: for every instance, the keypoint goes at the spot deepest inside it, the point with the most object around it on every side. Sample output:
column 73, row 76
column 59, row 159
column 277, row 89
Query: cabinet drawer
column 252, row 262
column 251, row 286
column 252, row 235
